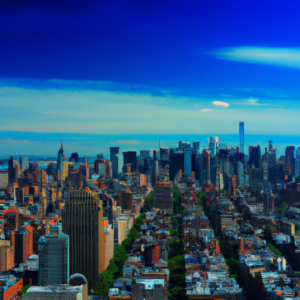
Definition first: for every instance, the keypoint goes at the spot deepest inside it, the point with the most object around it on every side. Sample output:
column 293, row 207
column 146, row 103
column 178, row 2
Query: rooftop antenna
column 159, row 143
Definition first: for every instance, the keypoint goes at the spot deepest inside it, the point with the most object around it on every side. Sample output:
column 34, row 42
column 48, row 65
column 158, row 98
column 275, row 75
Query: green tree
column 25, row 288
column 234, row 266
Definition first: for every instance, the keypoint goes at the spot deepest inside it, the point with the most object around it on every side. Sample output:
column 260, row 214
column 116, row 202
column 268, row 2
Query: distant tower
column 20, row 165
column 187, row 151
column 60, row 159
column 297, row 163
column 114, row 151
column 87, row 169
column 242, row 141
column 290, row 160
column 11, row 171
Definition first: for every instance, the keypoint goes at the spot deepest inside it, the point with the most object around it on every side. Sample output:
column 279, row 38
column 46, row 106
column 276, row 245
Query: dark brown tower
column 82, row 220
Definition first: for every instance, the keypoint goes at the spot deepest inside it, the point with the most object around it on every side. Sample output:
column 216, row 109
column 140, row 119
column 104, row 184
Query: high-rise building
column 206, row 166
column 26, row 163
column 7, row 256
column 196, row 145
column 176, row 162
column 82, row 220
column 87, row 168
column 187, row 152
column 163, row 196
column 240, row 174
column 23, row 243
column 297, row 163
column 255, row 156
column 130, row 158
column 59, row 166
column 11, row 171
column 290, row 160
column 213, row 145
column 54, row 259
column 120, row 162
column 115, row 162
column 268, row 201
column 146, row 153
column 241, row 134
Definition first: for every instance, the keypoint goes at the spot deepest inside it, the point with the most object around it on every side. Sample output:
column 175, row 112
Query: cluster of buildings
column 145, row 273
column 61, row 219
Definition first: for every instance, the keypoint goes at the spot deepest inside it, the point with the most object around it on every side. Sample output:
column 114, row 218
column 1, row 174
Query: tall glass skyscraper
column 241, row 132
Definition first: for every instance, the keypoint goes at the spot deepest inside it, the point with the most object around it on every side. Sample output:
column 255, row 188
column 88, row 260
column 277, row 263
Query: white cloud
column 282, row 57
column 105, row 112
column 220, row 103
column 253, row 102
column 205, row 109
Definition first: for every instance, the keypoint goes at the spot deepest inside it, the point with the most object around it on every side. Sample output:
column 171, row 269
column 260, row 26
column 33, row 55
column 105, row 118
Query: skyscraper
column 11, row 171
column 187, row 152
column 241, row 133
column 82, row 220
column 59, row 167
column 114, row 160
column 297, row 163
column 54, row 259
column 213, row 145
column 205, row 166
column 290, row 160
column 130, row 158
column 255, row 156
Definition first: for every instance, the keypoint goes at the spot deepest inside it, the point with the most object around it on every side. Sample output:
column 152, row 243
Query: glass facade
column 241, row 131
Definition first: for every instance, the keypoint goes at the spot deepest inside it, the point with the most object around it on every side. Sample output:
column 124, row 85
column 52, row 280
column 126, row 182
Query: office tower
column 196, row 145
column 268, row 201
column 3, row 178
column 7, row 256
column 54, row 259
column 125, row 199
column 101, row 166
column 240, row 174
column 120, row 162
column 74, row 157
column 87, row 168
column 130, row 158
column 155, row 154
column 163, row 196
column 297, row 163
column 213, row 145
column 265, row 171
column 20, row 165
column 115, row 162
column 26, row 163
column 289, row 161
column 241, row 133
column 11, row 171
column 23, row 242
column 255, row 156
column 82, row 220
column 187, row 152
column 176, row 163
column 59, row 167
column 206, row 166
column 146, row 153
column 270, row 153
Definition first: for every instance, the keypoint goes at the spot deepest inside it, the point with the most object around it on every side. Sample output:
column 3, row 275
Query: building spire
column 61, row 146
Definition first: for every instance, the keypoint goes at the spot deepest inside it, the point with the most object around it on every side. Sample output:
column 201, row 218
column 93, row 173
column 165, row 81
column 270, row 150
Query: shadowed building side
column 82, row 220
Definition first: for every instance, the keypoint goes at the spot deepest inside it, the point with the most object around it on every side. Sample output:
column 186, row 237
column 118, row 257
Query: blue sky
column 133, row 70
